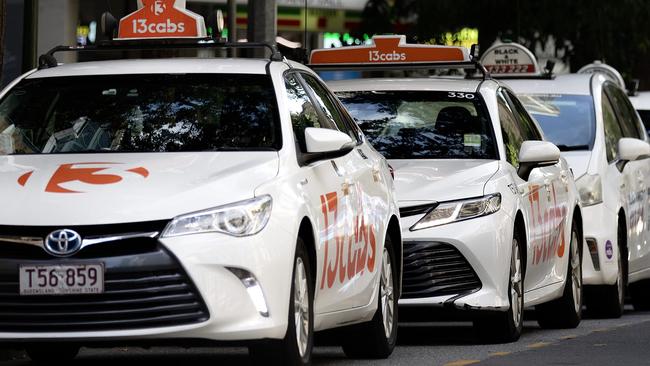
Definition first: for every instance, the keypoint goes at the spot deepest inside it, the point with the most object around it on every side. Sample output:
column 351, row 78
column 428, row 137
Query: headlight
column 590, row 189
column 237, row 219
column 447, row 212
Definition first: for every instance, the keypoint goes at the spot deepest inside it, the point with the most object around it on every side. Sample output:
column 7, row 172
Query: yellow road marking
column 570, row 336
column 538, row 345
column 493, row 354
column 601, row 330
column 462, row 362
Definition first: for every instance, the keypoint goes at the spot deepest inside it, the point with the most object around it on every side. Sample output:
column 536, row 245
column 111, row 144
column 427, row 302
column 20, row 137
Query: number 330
column 460, row 95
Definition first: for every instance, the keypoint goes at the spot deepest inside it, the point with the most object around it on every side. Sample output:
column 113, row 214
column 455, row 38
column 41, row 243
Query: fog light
column 593, row 251
column 253, row 288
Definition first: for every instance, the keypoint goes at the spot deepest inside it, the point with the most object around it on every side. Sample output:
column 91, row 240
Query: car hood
column 90, row 189
column 440, row 180
column 578, row 161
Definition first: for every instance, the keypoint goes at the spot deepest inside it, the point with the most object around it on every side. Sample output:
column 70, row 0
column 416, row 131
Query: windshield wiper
column 572, row 147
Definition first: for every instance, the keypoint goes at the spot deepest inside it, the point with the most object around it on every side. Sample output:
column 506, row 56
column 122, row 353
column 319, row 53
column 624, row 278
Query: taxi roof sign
column 610, row 73
column 510, row 59
column 390, row 50
column 161, row 19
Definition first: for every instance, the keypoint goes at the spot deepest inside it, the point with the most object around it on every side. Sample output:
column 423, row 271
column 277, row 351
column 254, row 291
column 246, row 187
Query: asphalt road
column 595, row 342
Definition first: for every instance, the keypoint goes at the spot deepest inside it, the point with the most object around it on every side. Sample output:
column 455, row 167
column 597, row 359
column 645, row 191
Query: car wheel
column 608, row 301
column 297, row 345
column 377, row 338
column 502, row 327
column 566, row 312
column 51, row 352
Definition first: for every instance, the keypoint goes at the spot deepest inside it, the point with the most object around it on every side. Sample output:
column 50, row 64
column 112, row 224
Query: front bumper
column 223, row 307
column 600, row 225
column 484, row 243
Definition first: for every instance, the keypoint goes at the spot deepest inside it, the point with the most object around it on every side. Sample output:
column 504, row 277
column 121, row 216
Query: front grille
column 141, row 291
column 436, row 269
column 417, row 210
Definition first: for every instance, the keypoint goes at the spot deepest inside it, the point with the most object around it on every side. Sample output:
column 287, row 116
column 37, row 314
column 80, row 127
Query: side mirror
column 630, row 149
column 536, row 154
column 324, row 143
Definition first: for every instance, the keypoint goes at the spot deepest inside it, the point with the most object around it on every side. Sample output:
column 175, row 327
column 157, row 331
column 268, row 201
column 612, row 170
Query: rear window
column 424, row 124
column 569, row 121
column 140, row 113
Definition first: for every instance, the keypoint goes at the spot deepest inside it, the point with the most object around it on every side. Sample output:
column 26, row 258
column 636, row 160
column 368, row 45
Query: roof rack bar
column 466, row 65
column 48, row 60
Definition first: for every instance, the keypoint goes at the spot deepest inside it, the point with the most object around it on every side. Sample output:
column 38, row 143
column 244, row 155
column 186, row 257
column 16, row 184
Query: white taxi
column 590, row 118
column 490, row 214
column 191, row 199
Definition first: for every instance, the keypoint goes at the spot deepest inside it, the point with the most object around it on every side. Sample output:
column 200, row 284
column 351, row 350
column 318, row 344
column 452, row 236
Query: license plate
column 69, row 279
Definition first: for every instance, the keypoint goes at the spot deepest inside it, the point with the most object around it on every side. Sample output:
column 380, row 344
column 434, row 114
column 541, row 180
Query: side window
column 329, row 106
column 303, row 112
column 626, row 116
column 512, row 135
column 613, row 131
column 525, row 121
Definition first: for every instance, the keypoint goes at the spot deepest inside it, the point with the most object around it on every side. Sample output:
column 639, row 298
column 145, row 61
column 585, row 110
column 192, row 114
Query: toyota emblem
column 63, row 243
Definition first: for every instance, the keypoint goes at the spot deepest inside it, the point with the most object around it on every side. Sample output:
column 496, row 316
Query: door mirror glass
column 536, row 154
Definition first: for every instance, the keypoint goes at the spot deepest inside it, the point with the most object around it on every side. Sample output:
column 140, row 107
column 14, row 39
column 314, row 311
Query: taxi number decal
column 361, row 246
column 551, row 222
column 469, row 96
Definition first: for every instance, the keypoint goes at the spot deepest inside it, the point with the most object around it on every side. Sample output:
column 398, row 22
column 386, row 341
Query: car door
column 635, row 176
column 556, row 221
column 352, row 258
column 533, row 193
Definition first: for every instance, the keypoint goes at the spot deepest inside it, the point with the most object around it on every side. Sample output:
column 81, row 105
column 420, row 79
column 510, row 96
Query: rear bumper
column 599, row 259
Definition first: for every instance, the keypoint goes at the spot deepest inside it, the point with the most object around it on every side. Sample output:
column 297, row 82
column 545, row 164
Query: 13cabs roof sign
column 162, row 19
column 509, row 59
column 389, row 50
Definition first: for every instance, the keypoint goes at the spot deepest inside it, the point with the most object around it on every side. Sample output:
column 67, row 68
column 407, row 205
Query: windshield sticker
column 88, row 173
column 472, row 140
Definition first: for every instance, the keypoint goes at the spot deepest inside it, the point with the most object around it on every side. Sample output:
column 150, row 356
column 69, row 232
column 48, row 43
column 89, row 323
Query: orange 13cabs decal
column 551, row 221
column 88, row 173
column 362, row 256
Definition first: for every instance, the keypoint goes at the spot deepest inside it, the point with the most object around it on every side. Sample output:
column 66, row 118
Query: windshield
column 567, row 120
column 423, row 124
column 140, row 113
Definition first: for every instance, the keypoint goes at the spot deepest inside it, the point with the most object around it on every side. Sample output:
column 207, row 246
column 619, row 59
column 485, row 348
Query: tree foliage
column 615, row 31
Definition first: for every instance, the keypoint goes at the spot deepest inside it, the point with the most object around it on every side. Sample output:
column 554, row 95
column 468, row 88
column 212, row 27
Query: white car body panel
column 349, row 202
column 485, row 242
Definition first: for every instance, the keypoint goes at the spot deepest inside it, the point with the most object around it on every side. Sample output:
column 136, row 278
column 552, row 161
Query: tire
column 566, row 312
column 504, row 327
column 640, row 294
column 608, row 301
column 377, row 338
column 297, row 345
column 51, row 352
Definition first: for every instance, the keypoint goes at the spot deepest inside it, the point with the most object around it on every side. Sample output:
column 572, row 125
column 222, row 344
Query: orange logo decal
column 160, row 18
column 76, row 172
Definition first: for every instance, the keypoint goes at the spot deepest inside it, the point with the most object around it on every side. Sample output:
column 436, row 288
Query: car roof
column 577, row 84
column 641, row 101
column 431, row 84
column 156, row 66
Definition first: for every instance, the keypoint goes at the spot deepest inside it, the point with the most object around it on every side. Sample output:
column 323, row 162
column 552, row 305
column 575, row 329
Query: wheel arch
column 394, row 231
column 306, row 233
column 623, row 247
column 520, row 224
column 577, row 217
